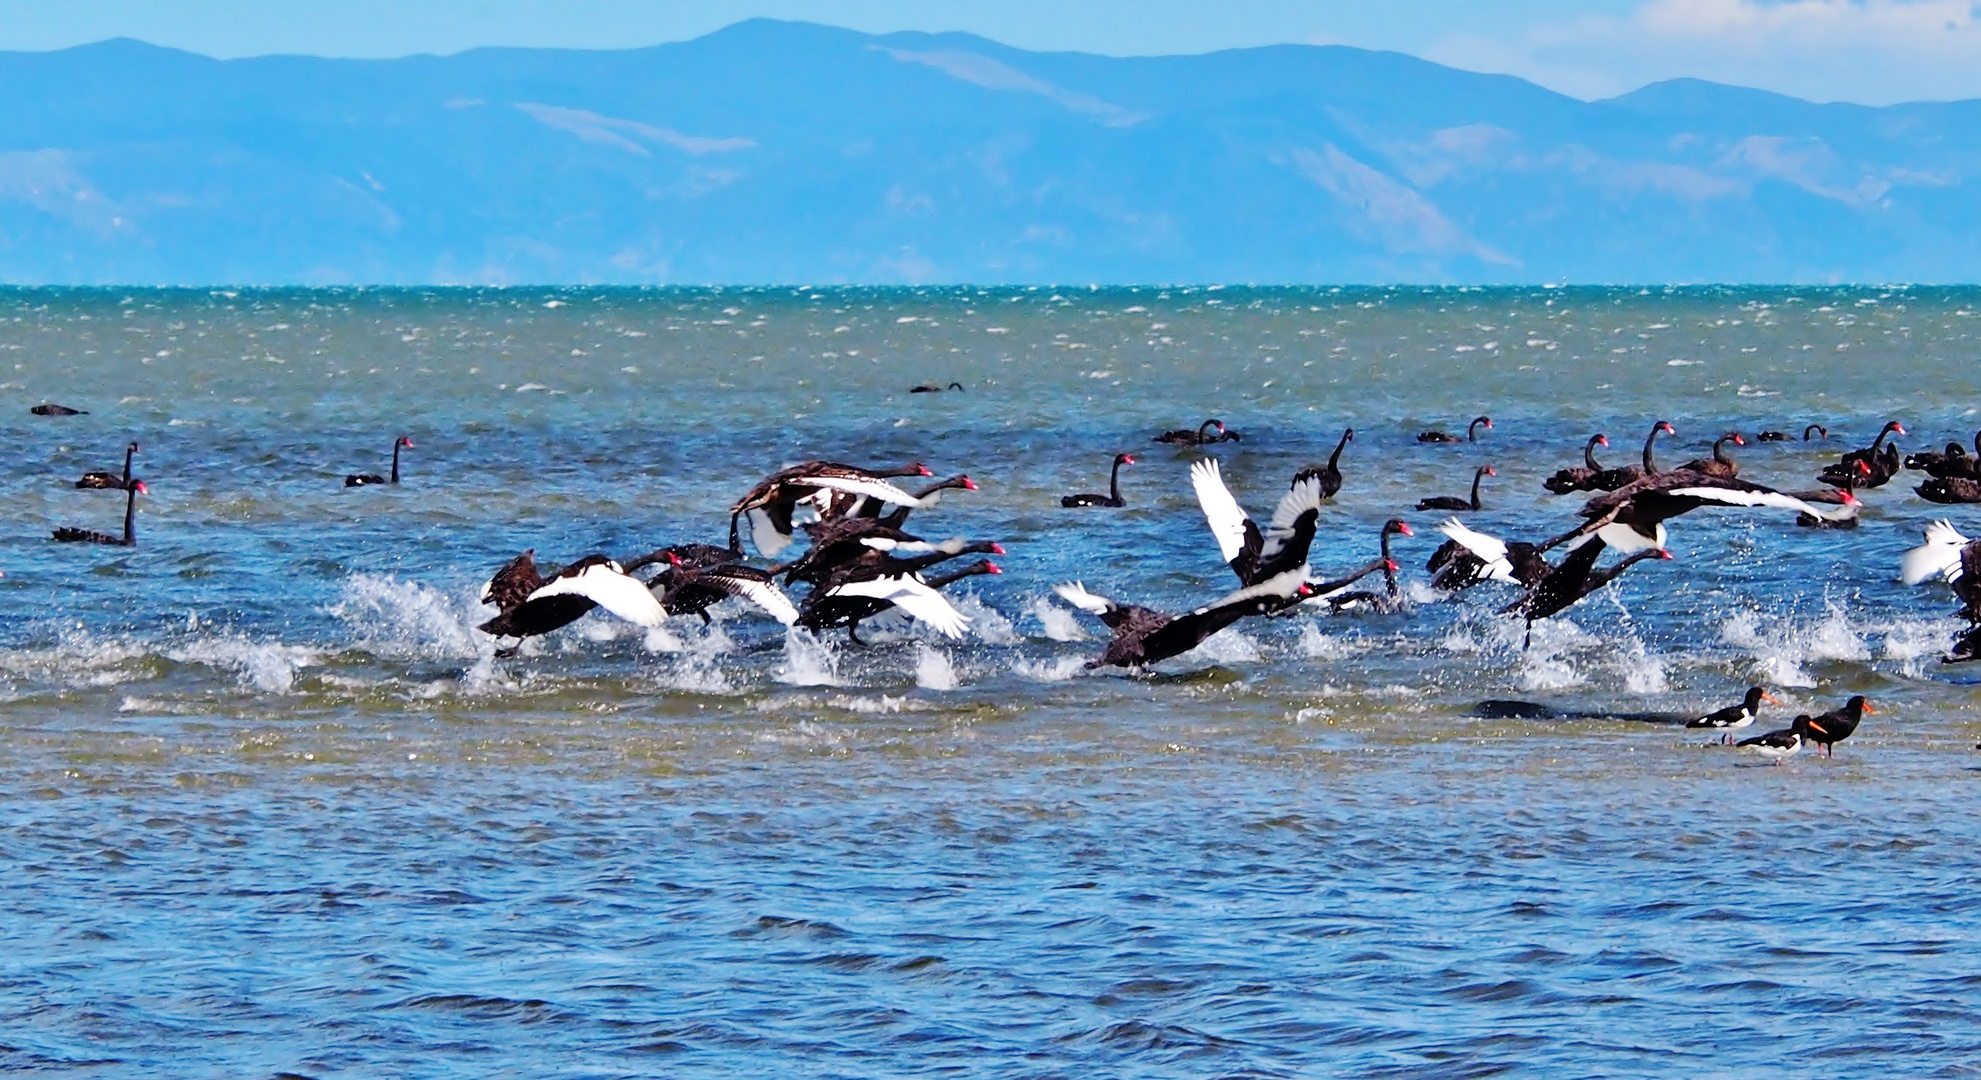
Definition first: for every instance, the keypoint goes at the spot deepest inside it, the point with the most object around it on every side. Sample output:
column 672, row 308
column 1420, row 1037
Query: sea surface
column 270, row 804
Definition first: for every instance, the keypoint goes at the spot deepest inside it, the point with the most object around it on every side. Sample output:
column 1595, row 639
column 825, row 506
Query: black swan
column 931, row 388
column 48, row 409
column 1737, row 716
column 1113, row 496
column 842, row 542
column 1199, row 437
column 130, row 537
column 866, row 588
column 1954, row 462
column 1146, row 636
column 1783, row 436
column 1572, row 579
column 531, row 604
column 1719, row 464
column 1330, row 473
column 1582, row 477
column 770, row 504
column 1950, row 489
column 1776, row 745
column 1255, row 556
column 1833, row 727
column 1390, row 600
column 689, row 598
column 1471, row 432
column 1884, row 460
column 99, row 481
column 1612, row 479
column 1453, row 502
column 1632, row 517
column 1468, row 558
column 690, row 589
column 403, row 442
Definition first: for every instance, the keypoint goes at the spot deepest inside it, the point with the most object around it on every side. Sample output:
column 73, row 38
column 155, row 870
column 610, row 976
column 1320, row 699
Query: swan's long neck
column 1114, row 481
column 1389, row 576
column 131, row 517
column 1878, row 443
column 1650, row 466
column 1719, row 450
column 1477, row 476
column 133, row 448
column 1335, row 458
column 395, row 461
column 1202, row 431
column 1472, row 431
column 1589, row 457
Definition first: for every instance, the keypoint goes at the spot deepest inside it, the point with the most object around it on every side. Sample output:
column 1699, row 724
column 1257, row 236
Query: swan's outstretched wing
column 1491, row 550
column 770, row 528
column 605, row 584
column 1939, row 556
column 1076, row 594
column 914, row 596
column 1755, row 495
column 1226, row 518
column 869, row 486
column 1305, row 495
column 756, row 590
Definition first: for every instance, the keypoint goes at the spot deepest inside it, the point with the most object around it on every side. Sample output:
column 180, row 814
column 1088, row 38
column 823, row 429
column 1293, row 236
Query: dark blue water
column 268, row 803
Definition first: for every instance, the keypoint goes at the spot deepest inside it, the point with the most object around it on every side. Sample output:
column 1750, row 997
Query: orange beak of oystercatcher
column 1769, row 698
column 1869, row 709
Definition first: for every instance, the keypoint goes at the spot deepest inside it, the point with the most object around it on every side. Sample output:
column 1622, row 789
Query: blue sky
column 1870, row 51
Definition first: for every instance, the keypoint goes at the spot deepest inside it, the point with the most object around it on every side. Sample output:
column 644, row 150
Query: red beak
column 1898, row 427
column 969, row 484
column 1128, row 459
column 1602, row 440
column 1405, row 530
column 997, row 549
column 1868, row 708
column 1490, row 471
column 1390, row 564
column 674, row 558
column 142, row 490
column 925, row 471
column 1663, row 554
column 992, row 568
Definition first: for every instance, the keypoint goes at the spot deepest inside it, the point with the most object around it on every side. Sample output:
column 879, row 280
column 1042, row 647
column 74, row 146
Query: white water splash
column 263, row 666
column 1229, row 646
column 1058, row 623
column 1057, row 670
column 1317, row 644
column 808, row 661
column 934, row 670
column 1780, row 651
column 390, row 617
column 986, row 622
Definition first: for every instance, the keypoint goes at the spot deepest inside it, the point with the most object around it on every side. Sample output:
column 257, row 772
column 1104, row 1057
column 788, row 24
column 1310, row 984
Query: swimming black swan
column 99, row 481
column 1330, row 473
column 1719, row 464
column 1840, row 723
column 403, row 442
column 1113, row 496
column 47, row 409
column 531, row 604
column 1255, row 556
column 1390, row 600
column 1471, row 432
column 130, row 537
column 930, row 388
column 770, row 504
column 1199, row 437
column 1582, row 477
column 1783, row 436
column 1453, row 502
column 1884, row 460
column 1612, row 479
column 1146, row 636
column 1737, row 716
column 1776, row 745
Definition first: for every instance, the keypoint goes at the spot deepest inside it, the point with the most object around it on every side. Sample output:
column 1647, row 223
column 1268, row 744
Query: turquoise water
column 268, row 803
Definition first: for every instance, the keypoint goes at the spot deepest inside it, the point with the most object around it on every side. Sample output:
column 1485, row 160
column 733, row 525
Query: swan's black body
column 1452, row 502
column 1612, row 479
column 103, row 481
column 1582, row 477
column 1471, row 432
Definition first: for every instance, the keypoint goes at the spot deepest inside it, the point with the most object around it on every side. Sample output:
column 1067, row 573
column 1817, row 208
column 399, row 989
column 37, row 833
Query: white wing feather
column 611, row 588
column 1222, row 512
column 1304, row 496
column 1489, row 548
column 913, row 596
column 865, row 485
column 763, row 594
column 1626, row 540
column 1076, row 594
column 1939, row 556
column 1731, row 497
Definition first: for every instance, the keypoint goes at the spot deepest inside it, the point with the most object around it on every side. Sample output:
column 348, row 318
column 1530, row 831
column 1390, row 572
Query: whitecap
column 808, row 661
column 934, row 670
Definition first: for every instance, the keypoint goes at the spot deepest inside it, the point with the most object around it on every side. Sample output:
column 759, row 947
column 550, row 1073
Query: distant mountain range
column 776, row 152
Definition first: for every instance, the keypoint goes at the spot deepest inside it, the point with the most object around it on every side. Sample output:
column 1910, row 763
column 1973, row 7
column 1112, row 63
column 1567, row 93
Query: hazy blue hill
column 776, row 151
